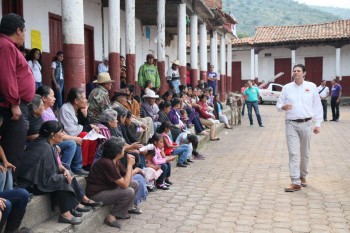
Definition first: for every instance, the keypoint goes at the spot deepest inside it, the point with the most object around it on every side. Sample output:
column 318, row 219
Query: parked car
column 271, row 93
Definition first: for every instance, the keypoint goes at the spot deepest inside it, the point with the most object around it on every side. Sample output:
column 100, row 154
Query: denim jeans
column 250, row 105
column 71, row 154
column 182, row 152
column 16, row 204
column 335, row 108
column 176, row 84
column 58, row 95
column 166, row 168
column 6, row 180
column 214, row 87
column 324, row 105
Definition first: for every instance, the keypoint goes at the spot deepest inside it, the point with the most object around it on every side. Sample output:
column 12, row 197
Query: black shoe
column 168, row 182
column 261, row 125
column 73, row 220
column 151, row 189
column 186, row 163
column 112, row 224
column 76, row 213
column 180, row 165
column 92, row 204
column 333, row 120
column 189, row 161
column 162, row 187
column 84, row 209
column 81, row 172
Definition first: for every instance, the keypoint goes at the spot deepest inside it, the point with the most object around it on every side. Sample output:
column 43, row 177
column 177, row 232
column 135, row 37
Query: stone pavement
column 239, row 187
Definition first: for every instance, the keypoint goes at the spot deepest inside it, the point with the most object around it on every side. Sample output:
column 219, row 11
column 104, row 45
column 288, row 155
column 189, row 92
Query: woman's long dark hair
column 50, row 127
column 155, row 138
column 31, row 55
column 163, row 126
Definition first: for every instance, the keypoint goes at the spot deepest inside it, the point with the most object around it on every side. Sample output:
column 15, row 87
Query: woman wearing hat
column 99, row 97
column 173, row 76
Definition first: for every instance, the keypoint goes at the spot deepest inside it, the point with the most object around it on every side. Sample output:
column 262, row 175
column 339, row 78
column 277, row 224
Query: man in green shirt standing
column 149, row 71
column 252, row 94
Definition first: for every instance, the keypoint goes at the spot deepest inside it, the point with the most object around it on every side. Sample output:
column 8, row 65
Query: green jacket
column 148, row 72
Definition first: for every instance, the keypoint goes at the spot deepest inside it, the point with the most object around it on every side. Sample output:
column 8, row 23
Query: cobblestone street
column 239, row 187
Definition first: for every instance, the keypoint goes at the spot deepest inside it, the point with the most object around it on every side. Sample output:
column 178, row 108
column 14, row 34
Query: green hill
column 254, row 13
column 343, row 13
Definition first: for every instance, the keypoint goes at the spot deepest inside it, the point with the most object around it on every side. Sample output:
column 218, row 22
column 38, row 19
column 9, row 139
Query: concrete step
column 41, row 219
column 39, row 208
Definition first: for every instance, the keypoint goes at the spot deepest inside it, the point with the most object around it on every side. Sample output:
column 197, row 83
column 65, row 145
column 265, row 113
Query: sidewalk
column 239, row 187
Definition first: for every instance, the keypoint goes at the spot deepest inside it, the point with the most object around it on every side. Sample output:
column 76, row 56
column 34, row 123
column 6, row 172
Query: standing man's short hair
column 301, row 66
column 335, row 80
column 10, row 23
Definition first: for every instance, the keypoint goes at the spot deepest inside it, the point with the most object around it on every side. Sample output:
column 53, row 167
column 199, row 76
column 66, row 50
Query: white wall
column 267, row 66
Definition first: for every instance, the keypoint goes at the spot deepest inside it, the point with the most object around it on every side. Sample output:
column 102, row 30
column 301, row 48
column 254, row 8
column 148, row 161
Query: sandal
column 112, row 224
column 92, row 203
column 214, row 139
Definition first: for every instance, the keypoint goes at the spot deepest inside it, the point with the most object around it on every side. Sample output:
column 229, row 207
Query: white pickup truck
column 269, row 94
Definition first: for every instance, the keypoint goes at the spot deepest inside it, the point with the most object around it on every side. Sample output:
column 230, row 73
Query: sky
column 334, row 3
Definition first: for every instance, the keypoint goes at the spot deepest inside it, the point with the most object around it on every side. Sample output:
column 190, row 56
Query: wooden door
column 12, row 6
column 89, row 53
column 283, row 65
column 314, row 69
column 236, row 76
column 55, row 34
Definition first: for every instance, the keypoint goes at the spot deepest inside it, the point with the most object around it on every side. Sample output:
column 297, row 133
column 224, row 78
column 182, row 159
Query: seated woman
column 41, row 172
column 71, row 145
column 205, row 118
column 218, row 112
column 171, row 148
column 174, row 115
column 164, row 109
column 73, row 116
column 111, row 183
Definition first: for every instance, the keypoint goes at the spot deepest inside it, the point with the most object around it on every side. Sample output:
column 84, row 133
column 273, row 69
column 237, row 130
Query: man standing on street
column 252, row 94
column 336, row 92
column 212, row 79
column 323, row 91
column 17, row 88
column 301, row 101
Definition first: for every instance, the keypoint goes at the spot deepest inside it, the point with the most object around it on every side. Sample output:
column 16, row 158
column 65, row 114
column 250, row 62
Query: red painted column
column 130, row 68
column 203, row 75
column 114, row 71
column 194, row 77
column 182, row 72
column 228, row 84
column 163, row 82
column 74, row 67
column 222, row 88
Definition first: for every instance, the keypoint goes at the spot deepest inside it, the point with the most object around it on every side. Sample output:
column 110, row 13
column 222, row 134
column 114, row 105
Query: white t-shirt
column 172, row 74
column 53, row 66
column 324, row 93
column 36, row 69
column 102, row 68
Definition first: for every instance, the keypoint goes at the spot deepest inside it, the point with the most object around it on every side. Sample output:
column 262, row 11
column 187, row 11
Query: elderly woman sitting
column 41, row 172
column 111, row 182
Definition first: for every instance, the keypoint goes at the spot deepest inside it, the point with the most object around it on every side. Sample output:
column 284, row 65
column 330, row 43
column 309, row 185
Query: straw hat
column 176, row 62
column 151, row 94
column 104, row 78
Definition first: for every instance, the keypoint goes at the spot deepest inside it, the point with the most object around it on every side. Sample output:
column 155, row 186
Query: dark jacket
column 39, row 167
column 216, row 110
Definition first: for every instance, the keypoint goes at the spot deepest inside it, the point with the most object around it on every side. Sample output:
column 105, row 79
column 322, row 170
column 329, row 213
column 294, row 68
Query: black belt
column 175, row 78
column 302, row 120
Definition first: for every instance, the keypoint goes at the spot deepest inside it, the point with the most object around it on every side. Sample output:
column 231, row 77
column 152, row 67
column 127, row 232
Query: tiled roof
column 314, row 32
column 243, row 41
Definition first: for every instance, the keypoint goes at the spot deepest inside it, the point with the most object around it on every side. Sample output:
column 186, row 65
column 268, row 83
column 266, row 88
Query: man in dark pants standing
column 323, row 91
column 336, row 92
column 17, row 88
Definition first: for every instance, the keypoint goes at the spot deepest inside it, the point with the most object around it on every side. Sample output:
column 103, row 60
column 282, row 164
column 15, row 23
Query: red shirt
column 188, row 77
column 16, row 78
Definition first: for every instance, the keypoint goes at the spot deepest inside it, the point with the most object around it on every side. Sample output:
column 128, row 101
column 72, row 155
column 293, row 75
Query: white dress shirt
column 102, row 68
column 304, row 99
column 324, row 93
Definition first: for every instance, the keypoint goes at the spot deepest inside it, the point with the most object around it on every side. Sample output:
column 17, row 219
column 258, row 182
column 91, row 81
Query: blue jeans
column 6, row 180
column 71, row 155
column 182, row 152
column 243, row 107
column 58, row 95
column 166, row 168
column 16, row 204
column 213, row 85
column 176, row 84
column 250, row 105
column 37, row 85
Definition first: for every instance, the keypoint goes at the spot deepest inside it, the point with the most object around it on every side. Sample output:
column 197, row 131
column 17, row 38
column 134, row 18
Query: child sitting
column 159, row 159
column 171, row 148
column 148, row 86
column 151, row 172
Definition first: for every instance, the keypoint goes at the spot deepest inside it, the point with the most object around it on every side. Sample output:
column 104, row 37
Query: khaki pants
column 209, row 124
column 298, row 142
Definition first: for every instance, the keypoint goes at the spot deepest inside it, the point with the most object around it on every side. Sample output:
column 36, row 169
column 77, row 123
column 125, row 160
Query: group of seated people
column 124, row 147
